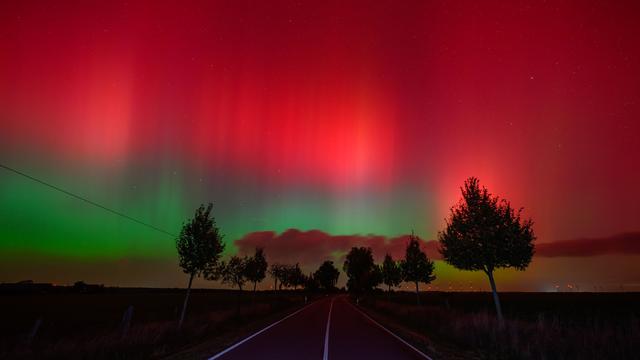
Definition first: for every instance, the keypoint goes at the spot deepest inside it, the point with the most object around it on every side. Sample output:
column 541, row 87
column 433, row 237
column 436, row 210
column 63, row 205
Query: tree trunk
column 496, row 299
column 417, row 294
column 275, row 284
column 186, row 299
column 253, row 296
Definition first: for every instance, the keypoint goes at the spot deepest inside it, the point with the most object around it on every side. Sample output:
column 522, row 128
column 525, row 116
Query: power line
column 85, row 200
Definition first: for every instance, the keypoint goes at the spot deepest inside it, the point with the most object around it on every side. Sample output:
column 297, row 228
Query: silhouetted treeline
column 483, row 233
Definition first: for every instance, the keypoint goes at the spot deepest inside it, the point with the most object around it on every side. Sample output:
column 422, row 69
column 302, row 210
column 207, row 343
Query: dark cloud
column 628, row 243
column 310, row 248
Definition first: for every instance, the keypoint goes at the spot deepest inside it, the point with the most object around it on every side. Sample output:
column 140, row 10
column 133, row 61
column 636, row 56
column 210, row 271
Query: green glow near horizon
column 39, row 219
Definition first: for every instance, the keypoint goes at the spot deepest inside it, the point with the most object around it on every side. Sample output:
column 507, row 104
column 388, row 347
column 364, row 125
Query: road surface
column 330, row 328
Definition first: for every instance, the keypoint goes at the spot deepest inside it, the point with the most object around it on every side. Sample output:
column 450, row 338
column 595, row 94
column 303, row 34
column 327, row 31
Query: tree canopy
column 256, row 267
column 293, row 276
column 199, row 248
column 277, row 272
column 416, row 267
column 391, row 272
column 327, row 275
column 234, row 271
column 483, row 232
column 362, row 273
column 200, row 243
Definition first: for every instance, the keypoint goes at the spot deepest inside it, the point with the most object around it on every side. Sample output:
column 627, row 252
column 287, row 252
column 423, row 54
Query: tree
column 311, row 284
column 293, row 276
column 299, row 278
column 199, row 247
column 277, row 273
column 485, row 233
column 234, row 272
column 416, row 267
column 376, row 276
column 285, row 276
column 327, row 275
column 391, row 272
column 256, row 268
column 363, row 275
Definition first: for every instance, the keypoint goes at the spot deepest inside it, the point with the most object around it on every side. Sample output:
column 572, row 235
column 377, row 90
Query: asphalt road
column 330, row 328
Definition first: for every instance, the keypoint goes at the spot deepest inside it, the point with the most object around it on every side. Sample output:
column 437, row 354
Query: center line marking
column 326, row 334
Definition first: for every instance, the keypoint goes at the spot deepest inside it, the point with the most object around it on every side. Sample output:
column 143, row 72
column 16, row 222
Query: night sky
column 314, row 126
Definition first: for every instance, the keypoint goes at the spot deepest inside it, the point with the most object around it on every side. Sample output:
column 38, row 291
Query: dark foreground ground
column 536, row 326
column 444, row 326
column 92, row 325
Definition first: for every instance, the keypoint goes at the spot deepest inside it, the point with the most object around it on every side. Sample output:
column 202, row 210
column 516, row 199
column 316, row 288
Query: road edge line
column 258, row 333
column 325, row 355
column 391, row 333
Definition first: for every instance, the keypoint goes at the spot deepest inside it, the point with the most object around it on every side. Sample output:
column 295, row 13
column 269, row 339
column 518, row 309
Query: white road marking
column 391, row 333
column 326, row 334
column 216, row 356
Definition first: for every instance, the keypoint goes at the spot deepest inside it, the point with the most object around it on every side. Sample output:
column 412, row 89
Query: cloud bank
column 314, row 246
column 311, row 247
column 627, row 243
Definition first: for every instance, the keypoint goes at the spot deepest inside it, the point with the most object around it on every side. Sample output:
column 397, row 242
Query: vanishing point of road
column 330, row 328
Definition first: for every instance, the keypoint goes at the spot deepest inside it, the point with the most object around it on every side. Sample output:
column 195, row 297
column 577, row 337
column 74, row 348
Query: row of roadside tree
column 483, row 232
column 363, row 274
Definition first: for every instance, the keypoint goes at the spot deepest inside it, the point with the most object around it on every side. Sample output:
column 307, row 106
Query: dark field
column 537, row 325
column 90, row 325
column 447, row 325
column 578, row 306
